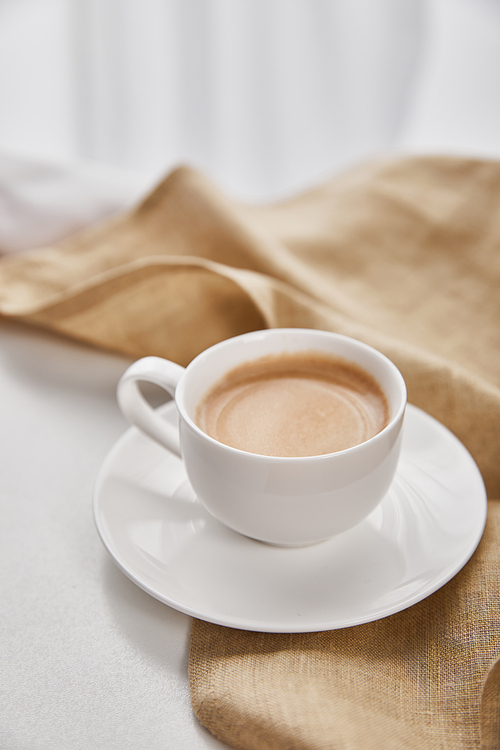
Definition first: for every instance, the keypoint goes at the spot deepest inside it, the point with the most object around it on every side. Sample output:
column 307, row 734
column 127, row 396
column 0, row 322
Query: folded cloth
column 401, row 253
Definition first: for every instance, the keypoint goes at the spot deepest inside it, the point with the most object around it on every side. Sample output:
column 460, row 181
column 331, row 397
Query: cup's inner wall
column 211, row 366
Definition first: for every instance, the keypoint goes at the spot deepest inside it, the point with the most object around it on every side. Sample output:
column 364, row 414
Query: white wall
column 266, row 95
column 37, row 92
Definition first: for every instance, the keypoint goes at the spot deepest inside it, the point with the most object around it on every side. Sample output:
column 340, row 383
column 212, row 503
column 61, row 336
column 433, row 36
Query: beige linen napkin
column 401, row 253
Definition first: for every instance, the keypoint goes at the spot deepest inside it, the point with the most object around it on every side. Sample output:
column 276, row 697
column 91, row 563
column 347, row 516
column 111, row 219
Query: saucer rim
column 257, row 625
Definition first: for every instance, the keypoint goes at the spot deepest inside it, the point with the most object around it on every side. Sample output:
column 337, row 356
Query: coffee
column 294, row 404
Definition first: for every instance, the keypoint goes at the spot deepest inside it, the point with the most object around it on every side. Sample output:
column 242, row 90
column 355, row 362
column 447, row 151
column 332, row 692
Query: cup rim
column 252, row 335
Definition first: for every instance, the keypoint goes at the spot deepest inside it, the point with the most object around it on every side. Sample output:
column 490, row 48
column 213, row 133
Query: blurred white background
column 266, row 96
column 98, row 100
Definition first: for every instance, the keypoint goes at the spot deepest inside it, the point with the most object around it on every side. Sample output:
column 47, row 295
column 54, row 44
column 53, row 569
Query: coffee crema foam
column 294, row 404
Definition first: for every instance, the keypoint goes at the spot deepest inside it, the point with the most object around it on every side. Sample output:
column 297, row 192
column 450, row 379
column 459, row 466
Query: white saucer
column 421, row 535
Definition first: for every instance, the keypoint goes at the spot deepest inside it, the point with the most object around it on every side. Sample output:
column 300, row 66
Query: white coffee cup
column 280, row 500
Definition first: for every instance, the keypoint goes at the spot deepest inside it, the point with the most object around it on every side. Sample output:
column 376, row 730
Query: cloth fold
column 402, row 253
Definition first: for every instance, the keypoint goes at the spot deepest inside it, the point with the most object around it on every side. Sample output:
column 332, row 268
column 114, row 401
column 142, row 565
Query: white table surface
column 88, row 660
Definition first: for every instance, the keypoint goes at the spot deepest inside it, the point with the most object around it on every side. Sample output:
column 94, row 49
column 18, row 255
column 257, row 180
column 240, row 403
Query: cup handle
column 136, row 409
